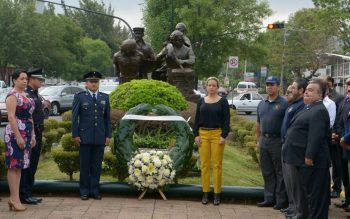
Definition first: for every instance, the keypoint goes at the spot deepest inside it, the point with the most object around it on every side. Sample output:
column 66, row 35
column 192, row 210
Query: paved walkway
column 128, row 208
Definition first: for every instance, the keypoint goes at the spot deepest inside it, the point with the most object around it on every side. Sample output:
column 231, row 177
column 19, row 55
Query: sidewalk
column 128, row 208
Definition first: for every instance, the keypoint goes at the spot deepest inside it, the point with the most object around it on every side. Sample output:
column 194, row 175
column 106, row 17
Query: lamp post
column 40, row 9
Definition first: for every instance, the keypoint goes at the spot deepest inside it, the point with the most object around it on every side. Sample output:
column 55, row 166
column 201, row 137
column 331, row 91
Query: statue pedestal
column 184, row 80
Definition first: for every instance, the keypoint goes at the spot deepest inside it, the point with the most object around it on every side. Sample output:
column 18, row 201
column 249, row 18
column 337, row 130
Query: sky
column 131, row 10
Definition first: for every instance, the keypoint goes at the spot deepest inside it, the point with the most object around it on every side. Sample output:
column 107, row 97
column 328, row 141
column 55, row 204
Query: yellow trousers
column 211, row 151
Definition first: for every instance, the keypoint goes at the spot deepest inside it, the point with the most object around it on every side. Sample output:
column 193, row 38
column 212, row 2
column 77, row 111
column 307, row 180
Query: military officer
column 35, row 81
column 91, row 130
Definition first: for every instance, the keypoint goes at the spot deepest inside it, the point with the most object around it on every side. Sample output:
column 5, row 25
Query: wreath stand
column 159, row 191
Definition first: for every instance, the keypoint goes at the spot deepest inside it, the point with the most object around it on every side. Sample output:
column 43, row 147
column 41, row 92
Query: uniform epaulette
column 103, row 93
column 81, row 92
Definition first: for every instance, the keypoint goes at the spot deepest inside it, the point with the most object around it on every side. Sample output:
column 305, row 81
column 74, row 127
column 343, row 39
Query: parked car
column 60, row 97
column 244, row 86
column 197, row 92
column 3, row 109
column 246, row 102
column 46, row 106
column 108, row 88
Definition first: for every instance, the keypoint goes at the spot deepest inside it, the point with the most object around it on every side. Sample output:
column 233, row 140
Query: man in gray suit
column 306, row 149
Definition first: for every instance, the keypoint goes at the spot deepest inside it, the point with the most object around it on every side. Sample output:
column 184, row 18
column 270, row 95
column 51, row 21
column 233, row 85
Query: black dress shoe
column 279, row 206
column 205, row 198
column 216, row 198
column 335, row 194
column 265, row 204
column 84, row 197
column 342, row 205
column 38, row 200
column 96, row 197
column 29, row 201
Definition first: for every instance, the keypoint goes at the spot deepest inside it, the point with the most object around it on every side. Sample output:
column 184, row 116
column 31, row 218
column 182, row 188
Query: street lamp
column 40, row 8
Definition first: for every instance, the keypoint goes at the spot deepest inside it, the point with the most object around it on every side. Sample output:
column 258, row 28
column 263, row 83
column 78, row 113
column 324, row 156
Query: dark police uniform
column 270, row 116
column 91, row 122
column 27, row 177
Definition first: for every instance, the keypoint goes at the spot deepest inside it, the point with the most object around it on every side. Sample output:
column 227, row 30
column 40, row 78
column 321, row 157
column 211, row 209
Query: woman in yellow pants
column 212, row 125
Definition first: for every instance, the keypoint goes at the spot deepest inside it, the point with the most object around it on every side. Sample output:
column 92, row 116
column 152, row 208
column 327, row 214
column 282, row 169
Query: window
column 257, row 97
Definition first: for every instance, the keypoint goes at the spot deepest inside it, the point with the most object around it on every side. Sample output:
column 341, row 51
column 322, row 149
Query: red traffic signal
column 275, row 26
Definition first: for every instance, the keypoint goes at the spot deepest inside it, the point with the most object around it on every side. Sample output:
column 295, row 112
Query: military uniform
column 27, row 177
column 91, row 122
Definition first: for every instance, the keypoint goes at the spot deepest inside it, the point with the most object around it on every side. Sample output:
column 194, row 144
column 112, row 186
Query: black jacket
column 307, row 137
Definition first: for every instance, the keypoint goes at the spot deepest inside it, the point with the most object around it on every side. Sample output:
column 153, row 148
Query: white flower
column 149, row 179
column 172, row 175
column 166, row 172
column 144, row 169
column 159, row 153
column 137, row 163
column 157, row 162
column 137, row 172
column 145, row 158
column 164, row 162
column 153, row 186
column 162, row 182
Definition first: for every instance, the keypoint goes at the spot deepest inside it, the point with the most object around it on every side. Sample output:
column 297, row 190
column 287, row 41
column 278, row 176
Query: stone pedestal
column 184, row 80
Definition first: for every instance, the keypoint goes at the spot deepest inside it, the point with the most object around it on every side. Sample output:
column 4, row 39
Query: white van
column 245, row 86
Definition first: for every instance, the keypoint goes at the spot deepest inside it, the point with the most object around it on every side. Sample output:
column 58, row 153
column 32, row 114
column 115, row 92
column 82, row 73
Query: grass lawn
column 238, row 169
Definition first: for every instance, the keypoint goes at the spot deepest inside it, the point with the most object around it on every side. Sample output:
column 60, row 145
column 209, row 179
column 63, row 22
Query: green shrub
column 51, row 137
column 109, row 164
column 50, row 124
column 67, row 116
column 241, row 133
column 2, row 146
column 68, row 143
column 253, row 151
column 67, row 125
column 249, row 125
column 153, row 92
column 161, row 141
column 67, row 161
column 249, row 138
column 60, row 132
column 2, row 165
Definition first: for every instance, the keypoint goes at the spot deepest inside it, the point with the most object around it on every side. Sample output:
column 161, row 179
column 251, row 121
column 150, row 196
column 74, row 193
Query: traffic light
column 275, row 26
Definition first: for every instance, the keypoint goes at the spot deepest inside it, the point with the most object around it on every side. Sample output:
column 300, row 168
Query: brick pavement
column 148, row 208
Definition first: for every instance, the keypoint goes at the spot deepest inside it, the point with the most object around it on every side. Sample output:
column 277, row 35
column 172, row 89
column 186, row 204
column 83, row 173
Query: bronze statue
column 146, row 50
column 179, row 63
column 182, row 27
column 128, row 61
column 176, row 54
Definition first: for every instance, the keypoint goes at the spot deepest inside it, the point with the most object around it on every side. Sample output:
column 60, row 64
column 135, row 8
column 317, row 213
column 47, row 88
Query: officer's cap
column 138, row 29
column 35, row 73
column 92, row 75
column 272, row 80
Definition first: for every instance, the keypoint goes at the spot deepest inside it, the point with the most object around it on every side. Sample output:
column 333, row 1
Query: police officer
column 91, row 130
column 270, row 114
column 35, row 81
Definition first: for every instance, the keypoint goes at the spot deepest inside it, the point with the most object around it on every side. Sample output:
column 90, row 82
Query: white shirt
column 331, row 108
column 91, row 93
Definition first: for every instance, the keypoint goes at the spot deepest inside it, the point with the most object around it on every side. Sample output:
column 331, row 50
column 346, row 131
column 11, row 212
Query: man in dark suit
column 91, row 130
column 27, row 179
column 306, row 149
column 295, row 98
column 335, row 148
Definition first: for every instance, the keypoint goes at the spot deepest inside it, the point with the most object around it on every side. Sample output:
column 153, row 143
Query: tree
column 338, row 10
column 298, row 47
column 217, row 28
column 99, row 26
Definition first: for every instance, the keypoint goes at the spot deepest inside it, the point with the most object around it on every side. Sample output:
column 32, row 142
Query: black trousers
column 91, row 157
column 315, row 182
column 339, row 168
column 28, row 175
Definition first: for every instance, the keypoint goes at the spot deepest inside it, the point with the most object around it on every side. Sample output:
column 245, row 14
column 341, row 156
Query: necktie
column 94, row 97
